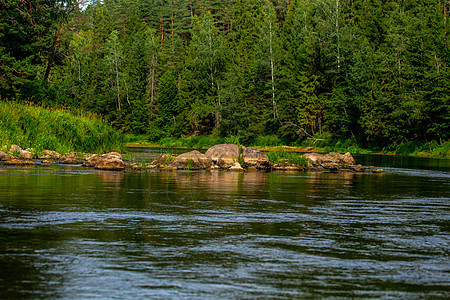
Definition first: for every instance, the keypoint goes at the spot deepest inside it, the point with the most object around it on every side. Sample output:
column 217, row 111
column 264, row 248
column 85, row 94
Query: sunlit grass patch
column 31, row 126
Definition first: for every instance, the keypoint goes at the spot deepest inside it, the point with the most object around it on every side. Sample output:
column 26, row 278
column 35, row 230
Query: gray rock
column 224, row 155
column 163, row 161
column 193, row 160
column 48, row 154
column 255, row 158
column 92, row 161
column 70, row 159
column 236, row 167
column 18, row 162
column 5, row 156
column 112, row 163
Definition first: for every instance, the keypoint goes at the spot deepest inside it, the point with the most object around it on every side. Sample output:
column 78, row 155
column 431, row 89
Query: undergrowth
column 31, row 126
column 281, row 156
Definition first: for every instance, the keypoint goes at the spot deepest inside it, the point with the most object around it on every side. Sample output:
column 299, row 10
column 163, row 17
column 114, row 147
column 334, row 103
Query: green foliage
column 196, row 142
column 60, row 130
column 373, row 74
column 189, row 164
column 167, row 101
column 267, row 140
column 282, row 156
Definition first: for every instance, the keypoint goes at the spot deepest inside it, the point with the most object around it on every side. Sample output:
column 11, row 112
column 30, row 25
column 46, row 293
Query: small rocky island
column 219, row 157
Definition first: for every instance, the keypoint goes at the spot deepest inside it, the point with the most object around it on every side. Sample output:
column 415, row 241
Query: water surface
column 67, row 232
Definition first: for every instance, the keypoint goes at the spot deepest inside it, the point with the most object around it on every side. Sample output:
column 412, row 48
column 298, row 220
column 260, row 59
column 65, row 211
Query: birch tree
column 114, row 58
column 268, row 51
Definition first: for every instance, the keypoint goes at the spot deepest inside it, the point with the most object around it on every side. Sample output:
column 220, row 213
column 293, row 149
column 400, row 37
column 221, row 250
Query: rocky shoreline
column 219, row 157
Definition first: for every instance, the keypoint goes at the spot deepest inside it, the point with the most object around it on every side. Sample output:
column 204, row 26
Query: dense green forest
column 374, row 71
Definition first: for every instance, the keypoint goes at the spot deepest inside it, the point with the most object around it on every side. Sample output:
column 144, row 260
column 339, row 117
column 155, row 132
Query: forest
column 372, row 71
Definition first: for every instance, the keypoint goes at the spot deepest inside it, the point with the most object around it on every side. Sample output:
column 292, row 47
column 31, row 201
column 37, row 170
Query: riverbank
column 60, row 130
column 225, row 157
column 272, row 143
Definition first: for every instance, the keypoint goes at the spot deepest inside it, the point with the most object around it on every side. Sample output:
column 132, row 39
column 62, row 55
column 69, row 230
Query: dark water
column 77, row 234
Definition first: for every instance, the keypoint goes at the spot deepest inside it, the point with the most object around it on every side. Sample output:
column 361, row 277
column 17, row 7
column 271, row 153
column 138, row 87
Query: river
column 72, row 233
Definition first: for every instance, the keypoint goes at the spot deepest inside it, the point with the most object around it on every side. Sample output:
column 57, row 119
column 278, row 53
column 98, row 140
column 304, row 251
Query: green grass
column 324, row 143
column 39, row 128
column 287, row 157
column 267, row 140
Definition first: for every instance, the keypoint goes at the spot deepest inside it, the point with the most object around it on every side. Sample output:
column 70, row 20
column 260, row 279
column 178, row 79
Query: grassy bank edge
column 61, row 130
column 272, row 143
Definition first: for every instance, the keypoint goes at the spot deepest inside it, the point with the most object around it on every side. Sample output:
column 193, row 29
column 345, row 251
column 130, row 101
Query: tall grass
column 196, row 142
column 282, row 156
column 31, row 126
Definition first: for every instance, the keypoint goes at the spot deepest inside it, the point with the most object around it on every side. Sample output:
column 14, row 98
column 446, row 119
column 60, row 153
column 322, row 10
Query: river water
column 72, row 233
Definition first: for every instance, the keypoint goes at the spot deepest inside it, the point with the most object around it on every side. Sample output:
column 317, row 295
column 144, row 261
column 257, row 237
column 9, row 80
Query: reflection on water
column 72, row 233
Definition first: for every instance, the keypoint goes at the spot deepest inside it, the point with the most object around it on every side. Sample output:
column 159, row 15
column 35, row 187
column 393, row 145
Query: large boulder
column 316, row 159
column 92, row 161
column 255, row 158
column 110, row 163
column 333, row 161
column 346, row 158
column 193, row 160
column 5, row 156
column 224, row 155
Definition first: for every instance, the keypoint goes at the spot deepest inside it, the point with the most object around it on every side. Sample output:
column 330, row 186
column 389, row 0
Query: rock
column 70, row 159
column 112, row 163
column 169, row 168
column 18, row 162
column 5, row 156
column 314, row 159
column 378, row 171
column 236, row 167
column 358, row 168
column 47, row 161
column 136, row 167
column 348, row 159
column 255, row 158
column 108, row 161
column 224, row 155
column 15, row 148
column 48, row 154
column 226, row 162
column 286, row 167
column 333, row 161
column 112, row 155
column 193, row 160
column 332, row 166
column 24, row 155
column 163, row 161
column 92, row 161
column 214, row 167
